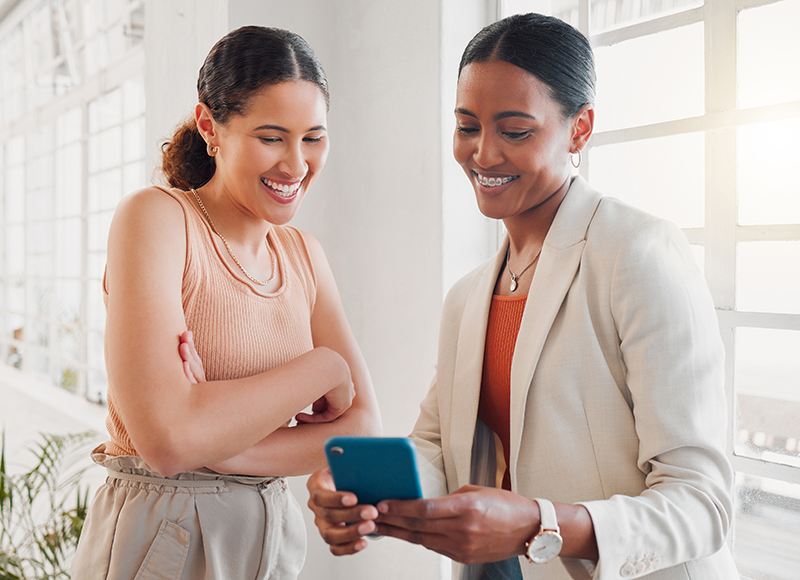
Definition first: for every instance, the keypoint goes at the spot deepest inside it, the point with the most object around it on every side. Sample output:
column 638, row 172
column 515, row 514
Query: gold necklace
column 227, row 246
column 515, row 277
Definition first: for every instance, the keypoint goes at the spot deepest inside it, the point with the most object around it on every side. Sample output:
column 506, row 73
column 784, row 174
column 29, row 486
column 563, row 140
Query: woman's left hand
column 192, row 365
column 473, row 524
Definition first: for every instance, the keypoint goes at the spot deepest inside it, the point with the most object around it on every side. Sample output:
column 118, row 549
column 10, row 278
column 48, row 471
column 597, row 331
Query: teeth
column 494, row 181
column 282, row 189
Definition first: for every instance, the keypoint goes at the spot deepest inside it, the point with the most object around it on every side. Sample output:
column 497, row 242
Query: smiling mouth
column 493, row 181
column 282, row 189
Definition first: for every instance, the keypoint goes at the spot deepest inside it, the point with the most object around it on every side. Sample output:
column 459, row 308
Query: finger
column 308, row 418
column 188, row 371
column 342, row 535
column 441, row 507
column 190, row 356
column 434, row 542
column 197, row 362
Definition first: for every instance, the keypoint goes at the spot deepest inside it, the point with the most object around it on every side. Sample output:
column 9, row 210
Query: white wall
column 392, row 209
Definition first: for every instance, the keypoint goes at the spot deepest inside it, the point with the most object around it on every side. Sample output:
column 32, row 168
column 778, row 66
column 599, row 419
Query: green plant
column 42, row 510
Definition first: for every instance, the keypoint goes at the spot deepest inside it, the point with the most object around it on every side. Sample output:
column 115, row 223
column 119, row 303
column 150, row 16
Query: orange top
column 505, row 317
column 238, row 332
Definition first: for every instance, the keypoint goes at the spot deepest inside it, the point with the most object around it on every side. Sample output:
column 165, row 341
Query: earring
column 572, row 159
column 212, row 151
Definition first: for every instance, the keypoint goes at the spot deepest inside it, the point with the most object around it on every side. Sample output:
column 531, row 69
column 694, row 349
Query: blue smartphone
column 374, row 468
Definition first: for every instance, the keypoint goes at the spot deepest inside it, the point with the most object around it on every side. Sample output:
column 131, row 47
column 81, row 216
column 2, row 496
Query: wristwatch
column 546, row 544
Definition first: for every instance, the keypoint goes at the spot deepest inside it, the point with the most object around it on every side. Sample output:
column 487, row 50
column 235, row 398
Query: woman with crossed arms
column 198, row 450
column 576, row 425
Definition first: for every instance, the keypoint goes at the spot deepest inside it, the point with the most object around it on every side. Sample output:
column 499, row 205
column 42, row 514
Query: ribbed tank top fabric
column 238, row 332
column 505, row 317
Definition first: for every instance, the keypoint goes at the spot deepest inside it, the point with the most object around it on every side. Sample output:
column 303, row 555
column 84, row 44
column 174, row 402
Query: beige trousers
column 192, row 526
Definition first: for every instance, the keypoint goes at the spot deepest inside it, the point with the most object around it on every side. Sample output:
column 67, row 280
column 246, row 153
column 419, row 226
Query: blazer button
column 628, row 570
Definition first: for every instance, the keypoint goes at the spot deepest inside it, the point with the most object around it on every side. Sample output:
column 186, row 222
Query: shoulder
column 146, row 221
column 150, row 203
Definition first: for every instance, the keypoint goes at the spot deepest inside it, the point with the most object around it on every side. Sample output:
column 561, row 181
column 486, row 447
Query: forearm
column 298, row 450
column 201, row 424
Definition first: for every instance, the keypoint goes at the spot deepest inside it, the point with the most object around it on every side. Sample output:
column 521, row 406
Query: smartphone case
column 374, row 468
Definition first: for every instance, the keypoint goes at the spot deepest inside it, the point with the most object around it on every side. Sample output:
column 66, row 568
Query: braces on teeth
column 494, row 181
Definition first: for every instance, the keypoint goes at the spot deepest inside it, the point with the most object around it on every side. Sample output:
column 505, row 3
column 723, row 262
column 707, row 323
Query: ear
column 205, row 121
column 582, row 127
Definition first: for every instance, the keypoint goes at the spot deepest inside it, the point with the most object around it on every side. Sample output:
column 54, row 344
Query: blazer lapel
column 466, row 391
column 558, row 264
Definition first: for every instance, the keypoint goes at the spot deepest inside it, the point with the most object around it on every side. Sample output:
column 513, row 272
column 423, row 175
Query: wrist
column 546, row 544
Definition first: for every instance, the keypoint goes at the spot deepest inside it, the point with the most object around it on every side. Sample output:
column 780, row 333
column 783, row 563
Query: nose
column 488, row 152
column 294, row 163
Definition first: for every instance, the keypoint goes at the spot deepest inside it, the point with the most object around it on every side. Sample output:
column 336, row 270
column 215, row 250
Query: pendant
column 513, row 282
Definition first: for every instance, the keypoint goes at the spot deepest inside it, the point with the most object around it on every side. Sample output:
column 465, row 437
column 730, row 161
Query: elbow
column 164, row 454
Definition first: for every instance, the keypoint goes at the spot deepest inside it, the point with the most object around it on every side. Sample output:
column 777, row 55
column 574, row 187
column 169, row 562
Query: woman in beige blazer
column 616, row 410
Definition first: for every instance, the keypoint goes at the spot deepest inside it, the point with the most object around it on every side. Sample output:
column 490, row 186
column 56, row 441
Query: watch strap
column 547, row 516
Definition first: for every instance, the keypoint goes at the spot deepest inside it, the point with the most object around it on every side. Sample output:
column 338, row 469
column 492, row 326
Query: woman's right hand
column 337, row 400
column 341, row 522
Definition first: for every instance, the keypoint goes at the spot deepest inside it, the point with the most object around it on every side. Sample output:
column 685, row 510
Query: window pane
column 767, row 47
column 664, row 176
column 766, row 528
column 608, row 14
column 133, row 98
column 765, row 278
column 68, row 233
column 68, row 185
column 630, row 93
column 767, row 383
column 769, row 158
column 68, row 127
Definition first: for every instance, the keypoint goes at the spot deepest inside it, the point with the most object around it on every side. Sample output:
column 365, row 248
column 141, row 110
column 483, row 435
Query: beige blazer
column 617, row 397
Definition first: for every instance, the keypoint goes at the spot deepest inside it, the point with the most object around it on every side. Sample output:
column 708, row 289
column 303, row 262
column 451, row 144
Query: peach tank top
column 238, row 332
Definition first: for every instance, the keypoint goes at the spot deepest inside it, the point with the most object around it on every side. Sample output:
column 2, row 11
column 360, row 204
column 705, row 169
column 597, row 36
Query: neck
column 527, row 231
column 235, row 222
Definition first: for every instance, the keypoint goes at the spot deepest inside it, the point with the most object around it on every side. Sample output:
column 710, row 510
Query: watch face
column 545, row 547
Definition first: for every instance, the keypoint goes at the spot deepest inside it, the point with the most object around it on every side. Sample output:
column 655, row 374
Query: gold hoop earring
column 212, row 151
column 572, row 159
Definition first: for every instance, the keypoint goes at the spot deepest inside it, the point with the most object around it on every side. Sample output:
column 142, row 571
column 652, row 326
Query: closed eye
column 467, row 130
column 517, row 136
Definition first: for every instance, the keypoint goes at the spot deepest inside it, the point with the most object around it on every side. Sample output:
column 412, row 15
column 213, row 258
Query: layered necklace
column 515, row 277
column 230, row 251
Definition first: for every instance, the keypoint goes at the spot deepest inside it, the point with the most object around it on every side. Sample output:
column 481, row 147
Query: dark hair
column 546, row 47
column 242, row 63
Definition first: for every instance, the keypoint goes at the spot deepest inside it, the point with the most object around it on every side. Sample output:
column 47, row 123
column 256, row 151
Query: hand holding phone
column 374, row 468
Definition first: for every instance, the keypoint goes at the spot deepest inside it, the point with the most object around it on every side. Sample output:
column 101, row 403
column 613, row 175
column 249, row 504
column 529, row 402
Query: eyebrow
column 285, row 130
column 497, row 117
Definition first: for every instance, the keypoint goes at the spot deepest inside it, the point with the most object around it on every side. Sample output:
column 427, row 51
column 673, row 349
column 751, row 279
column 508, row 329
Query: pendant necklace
column 515, row 277
column 230, row 251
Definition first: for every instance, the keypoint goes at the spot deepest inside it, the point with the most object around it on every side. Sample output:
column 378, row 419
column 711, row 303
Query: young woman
column 198, row 449
column 577, row 416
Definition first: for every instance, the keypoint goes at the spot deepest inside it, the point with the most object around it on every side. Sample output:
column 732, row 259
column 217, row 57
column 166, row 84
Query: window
column 72, row 120
column 698, row 120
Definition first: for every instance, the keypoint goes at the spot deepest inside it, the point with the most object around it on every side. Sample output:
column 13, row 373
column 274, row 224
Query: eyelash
column 517, row 136
column 270, row 140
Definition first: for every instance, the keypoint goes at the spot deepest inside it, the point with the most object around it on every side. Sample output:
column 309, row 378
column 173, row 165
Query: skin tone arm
column 298, row 450
column 175, row 424
column 472, row 524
